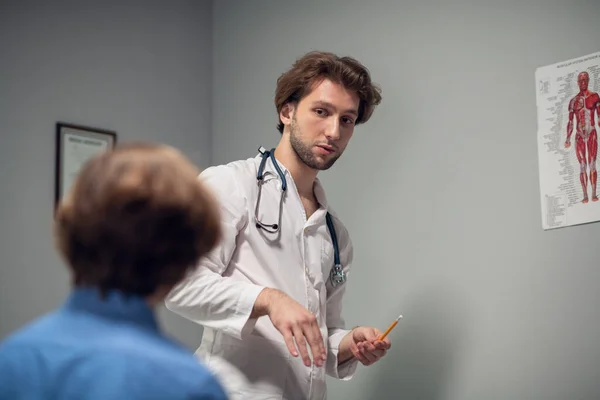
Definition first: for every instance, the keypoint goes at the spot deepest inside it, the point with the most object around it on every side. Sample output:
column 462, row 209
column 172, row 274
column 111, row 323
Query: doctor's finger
column 371, row 357
column 383, row 345
column 289, row 342
column 301, row 344
column 368, row 346
column 377, row 353
column 361, row 357
column 315, row 340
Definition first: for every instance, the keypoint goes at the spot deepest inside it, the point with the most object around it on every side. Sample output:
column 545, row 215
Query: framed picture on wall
column 75, row 145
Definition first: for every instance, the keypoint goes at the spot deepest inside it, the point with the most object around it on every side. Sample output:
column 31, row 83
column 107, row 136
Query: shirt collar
column 114, row 305
column 320, row 194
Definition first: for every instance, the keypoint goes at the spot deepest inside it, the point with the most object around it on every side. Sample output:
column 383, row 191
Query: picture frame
column 75, row 145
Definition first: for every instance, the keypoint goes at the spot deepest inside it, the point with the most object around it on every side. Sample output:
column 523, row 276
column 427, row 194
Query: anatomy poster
column 568, row 107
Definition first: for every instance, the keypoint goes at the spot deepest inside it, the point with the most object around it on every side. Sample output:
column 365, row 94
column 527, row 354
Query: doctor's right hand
column 295, row 323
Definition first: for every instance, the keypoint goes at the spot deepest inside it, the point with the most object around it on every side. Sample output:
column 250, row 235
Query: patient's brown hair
column 136, row 220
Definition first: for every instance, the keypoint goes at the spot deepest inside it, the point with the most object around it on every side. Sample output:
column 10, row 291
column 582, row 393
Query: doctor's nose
column 333, row 129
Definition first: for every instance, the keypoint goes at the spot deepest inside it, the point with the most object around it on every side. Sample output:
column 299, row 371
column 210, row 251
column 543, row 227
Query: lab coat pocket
column 264, row 365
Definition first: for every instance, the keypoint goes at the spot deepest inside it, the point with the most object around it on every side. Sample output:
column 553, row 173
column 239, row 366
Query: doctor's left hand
column 366, row 346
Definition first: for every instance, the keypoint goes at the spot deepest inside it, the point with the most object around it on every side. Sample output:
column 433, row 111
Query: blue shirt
column 100, row 349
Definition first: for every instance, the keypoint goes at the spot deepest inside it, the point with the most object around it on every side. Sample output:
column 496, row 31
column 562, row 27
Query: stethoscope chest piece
column 337, row 275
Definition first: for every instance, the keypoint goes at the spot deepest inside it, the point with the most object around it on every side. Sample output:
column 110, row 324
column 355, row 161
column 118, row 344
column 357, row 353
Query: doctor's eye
column 348, row 121
column 320, row 112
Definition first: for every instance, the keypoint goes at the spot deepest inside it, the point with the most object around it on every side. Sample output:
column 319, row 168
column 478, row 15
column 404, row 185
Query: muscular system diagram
column 582, row 111
column 568, row 109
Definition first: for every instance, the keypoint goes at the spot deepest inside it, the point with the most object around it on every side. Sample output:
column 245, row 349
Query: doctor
column 270, row 295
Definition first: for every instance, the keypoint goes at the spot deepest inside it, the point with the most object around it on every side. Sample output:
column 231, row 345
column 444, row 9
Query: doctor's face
column 322, row 124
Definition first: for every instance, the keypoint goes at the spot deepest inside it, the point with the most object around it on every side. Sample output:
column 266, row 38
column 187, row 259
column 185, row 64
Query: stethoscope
column 337, row 275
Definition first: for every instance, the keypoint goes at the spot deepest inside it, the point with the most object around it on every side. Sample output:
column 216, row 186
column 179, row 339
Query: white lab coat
column 249, row 356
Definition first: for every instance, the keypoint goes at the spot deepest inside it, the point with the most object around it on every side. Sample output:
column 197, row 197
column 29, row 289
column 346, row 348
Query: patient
column 136, row 220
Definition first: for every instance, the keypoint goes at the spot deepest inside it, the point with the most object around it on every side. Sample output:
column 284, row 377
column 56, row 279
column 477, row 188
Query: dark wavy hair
column 315, row 66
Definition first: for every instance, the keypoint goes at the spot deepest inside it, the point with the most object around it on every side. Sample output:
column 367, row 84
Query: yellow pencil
column 389, row 329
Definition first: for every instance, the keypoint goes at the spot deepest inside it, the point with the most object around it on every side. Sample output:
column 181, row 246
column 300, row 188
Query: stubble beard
column 304, row 152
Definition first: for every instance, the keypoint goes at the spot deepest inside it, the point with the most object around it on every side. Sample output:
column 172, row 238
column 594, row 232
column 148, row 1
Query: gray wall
column 440, row 190
column 142, row 68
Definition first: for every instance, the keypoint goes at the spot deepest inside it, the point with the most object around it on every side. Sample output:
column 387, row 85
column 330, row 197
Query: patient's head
column 136, row 220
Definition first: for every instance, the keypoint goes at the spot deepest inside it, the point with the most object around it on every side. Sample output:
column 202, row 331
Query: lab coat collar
column 115, row 306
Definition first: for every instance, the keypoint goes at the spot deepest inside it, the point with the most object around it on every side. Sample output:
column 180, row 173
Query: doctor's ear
column 287, row 113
